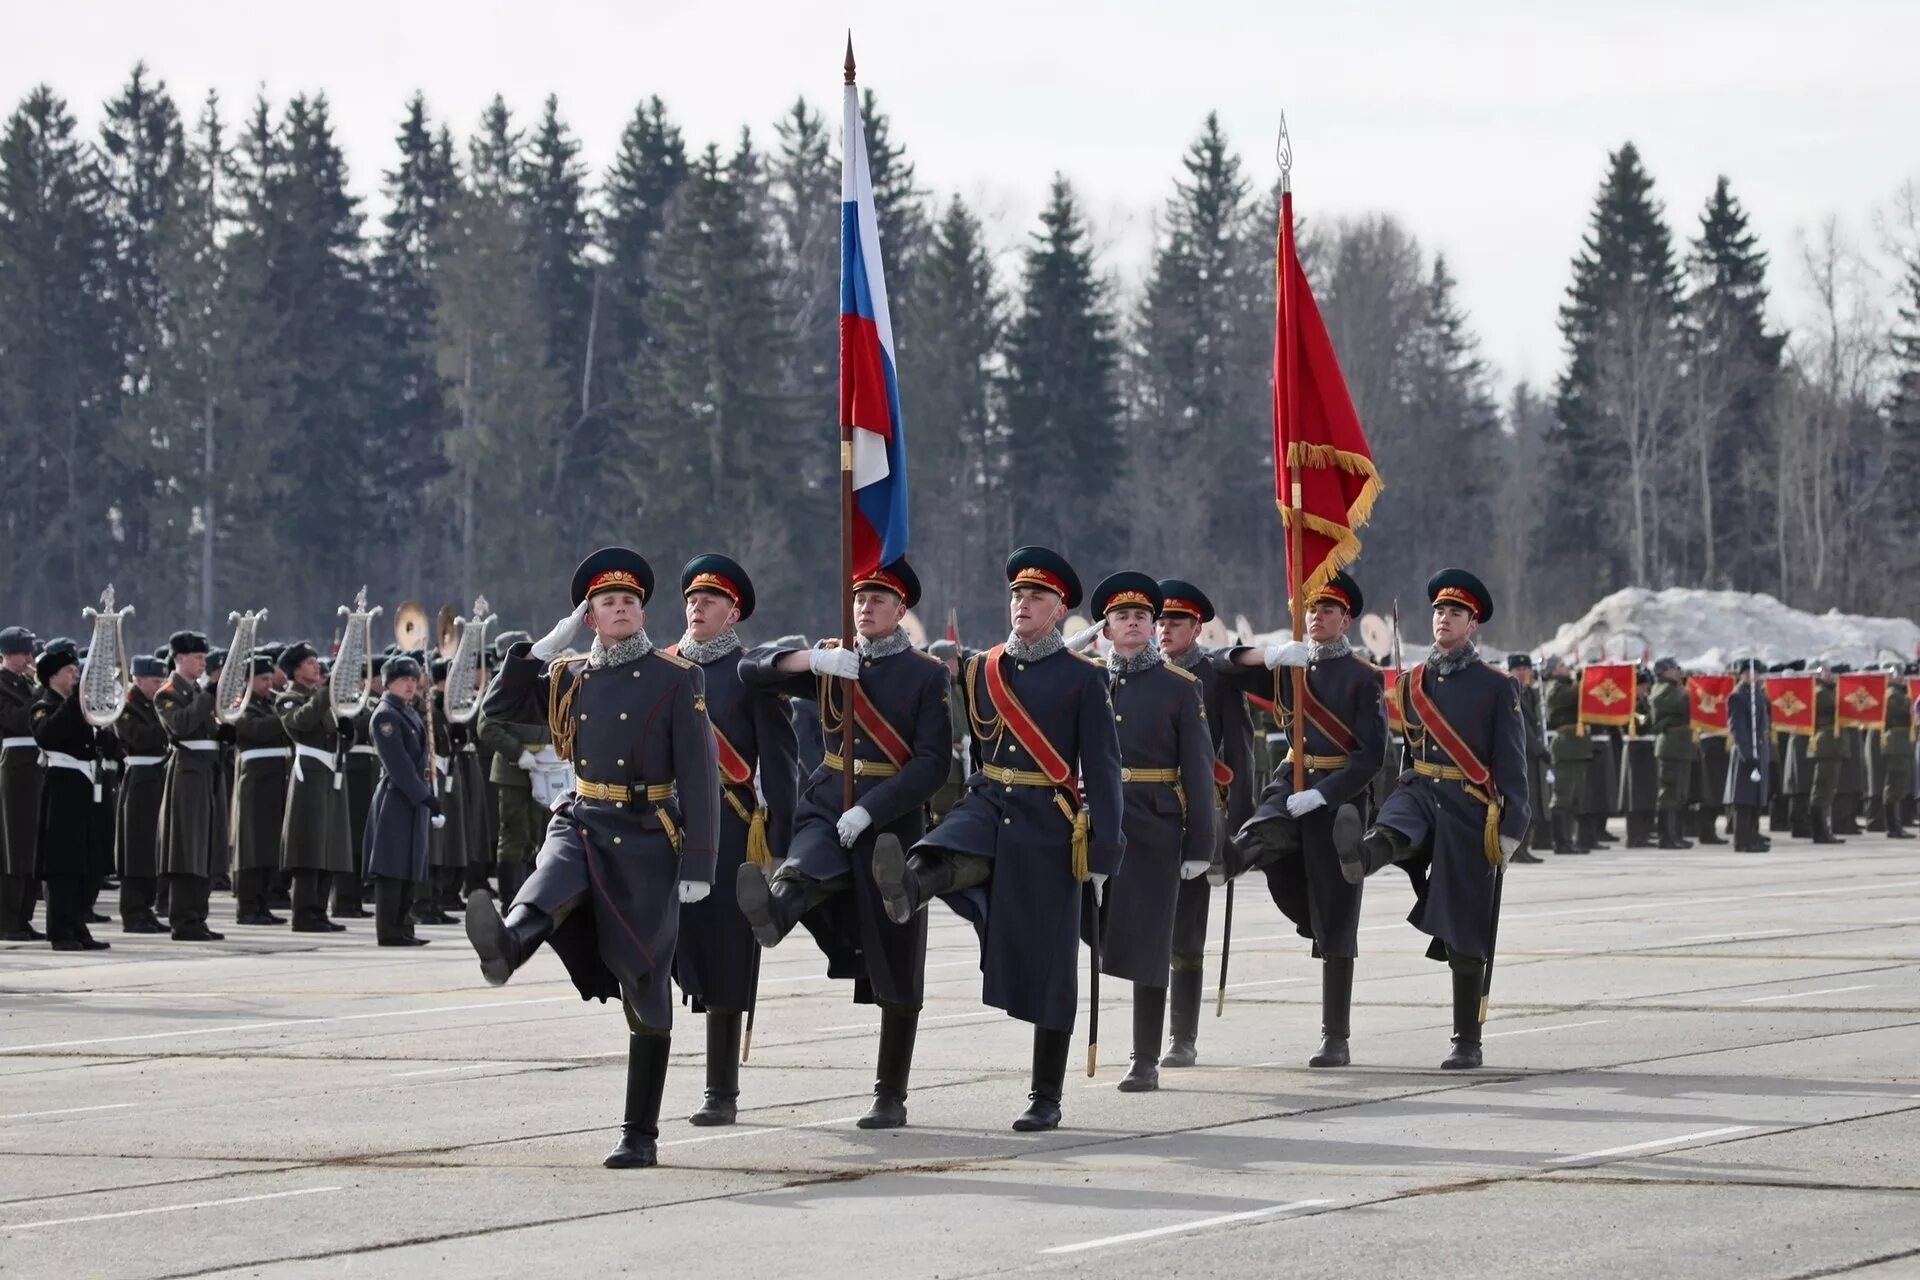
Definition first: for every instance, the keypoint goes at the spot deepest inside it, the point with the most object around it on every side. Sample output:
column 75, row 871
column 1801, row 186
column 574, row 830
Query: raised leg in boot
column 1469, row 984
column 898, row 1023
column 1380, row 847
column 772, row 906
column 1049, row 1078
column 504, row 945
column 640, row 1122
column 723, row 1069
column 908, row 883
column 1183, row 1012
column 1336, row 1009
column 1149, row 1017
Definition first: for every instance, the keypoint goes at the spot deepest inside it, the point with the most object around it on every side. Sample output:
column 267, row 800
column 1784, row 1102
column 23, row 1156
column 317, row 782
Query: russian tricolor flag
column 869, row 393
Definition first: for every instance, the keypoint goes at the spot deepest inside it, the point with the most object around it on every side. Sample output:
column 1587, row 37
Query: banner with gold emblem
column 1792, row 701
column 1606, row 694
column 1707, row 696
column 1860, row 700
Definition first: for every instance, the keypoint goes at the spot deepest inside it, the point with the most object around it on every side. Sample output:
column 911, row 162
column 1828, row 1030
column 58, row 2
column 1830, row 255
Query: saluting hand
column 556, row 640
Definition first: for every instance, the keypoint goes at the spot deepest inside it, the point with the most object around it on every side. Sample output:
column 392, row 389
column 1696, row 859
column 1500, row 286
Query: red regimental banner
column 1708, row 696
column 1860, row 700
column 1606, row 694
column 1792, row 700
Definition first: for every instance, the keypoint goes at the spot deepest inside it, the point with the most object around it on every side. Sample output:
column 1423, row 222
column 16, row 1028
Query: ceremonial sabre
column 1093, row 1015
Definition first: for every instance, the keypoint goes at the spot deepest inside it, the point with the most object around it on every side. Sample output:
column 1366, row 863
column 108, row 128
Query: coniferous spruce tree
column 1903, row 415
column 1063, row 405
column 635, row 202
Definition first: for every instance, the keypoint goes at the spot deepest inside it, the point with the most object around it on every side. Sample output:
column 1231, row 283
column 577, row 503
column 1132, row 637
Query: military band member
column 1539, row 756
column 450, row 838
column 261, row 756
column 76, row 823
column 718, row 960
column 1166, row 766
column 1299, row 839
column 362, row 773
column 1750, row 767
column 522, row 820
column 1897, row 753
column 635, row 840
column 1670, row 720
column 144, row 780
column 193, row 803
column 901, row 745
column 1572, row 759
column 19, row 787
column 1850, row 789
column 314, row 842
column 403, row 808
column 1827, row 754
column 1184, row 610
column 1462, row 805
column 1014, row 855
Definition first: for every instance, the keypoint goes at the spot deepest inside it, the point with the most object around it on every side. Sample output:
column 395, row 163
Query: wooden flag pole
column 1289, row 408
column 846, row 541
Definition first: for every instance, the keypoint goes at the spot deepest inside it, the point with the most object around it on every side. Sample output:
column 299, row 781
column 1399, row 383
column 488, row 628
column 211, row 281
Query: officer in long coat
column 1750, row 764
column 901, row 744
column 636, row 839
column 314, row 844
column 1462, row 806
column 1296, row 838
column 717, row 963
column 1184, row 610
column 401, row 813
column 76, row 823
column 193, row 803
column 143, row 782
column 1166, row 766
column 19, row 787
column 1015, row 856
column 262, row 755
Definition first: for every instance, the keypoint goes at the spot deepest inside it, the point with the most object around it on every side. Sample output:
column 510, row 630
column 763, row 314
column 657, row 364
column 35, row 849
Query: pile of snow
column 1706, row 630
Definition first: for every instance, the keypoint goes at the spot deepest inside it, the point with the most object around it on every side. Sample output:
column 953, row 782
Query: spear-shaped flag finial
column 848, row 68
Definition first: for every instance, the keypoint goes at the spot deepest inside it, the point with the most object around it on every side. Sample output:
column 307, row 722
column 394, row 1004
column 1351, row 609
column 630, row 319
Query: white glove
column 851, row 824
column 556, row 640
column 437, row 821
column 1099, row 887
column 1294, row 653
column 526, row 761
column 1509, row 845
column 1549, row 777
column 1086, row 636
column 1194, row 870
column 843, row 663
column 1302, row 803
column 692, row 891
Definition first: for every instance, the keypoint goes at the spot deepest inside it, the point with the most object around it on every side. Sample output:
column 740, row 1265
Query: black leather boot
column 1469, row 983
column 1822, row 826
column 1149, row 1017
column 1670, row 831
column 1183, row 1018
column 907, row 884
column 772, row 907
column 1707, row 827
column 392, row 926
column 646, row 1080
column 1049, row 1078
column 1336, row 1012
column 1895, row 829
column 889, row 1110
column 1259, row 844
column 1380, row 847
column 1846, row 815
column 723, row 1070
column 504, row 945
column 1800, row 817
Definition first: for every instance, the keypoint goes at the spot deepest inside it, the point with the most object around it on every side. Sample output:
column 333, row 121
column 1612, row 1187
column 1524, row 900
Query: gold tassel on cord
column 759, row 852
column 1080, row 845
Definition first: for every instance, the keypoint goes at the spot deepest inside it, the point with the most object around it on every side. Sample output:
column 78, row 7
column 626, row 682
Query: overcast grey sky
column 1483, row 123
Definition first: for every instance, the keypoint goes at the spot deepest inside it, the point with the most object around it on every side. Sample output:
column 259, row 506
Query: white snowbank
column 1706, row 630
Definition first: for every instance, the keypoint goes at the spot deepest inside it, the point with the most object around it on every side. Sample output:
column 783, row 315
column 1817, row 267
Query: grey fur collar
column 632, row 649
column 1045, row 647
column 1334, row 648
column 1141, row 661
column 895, row 641
column 713, row 650
column 1446, row 663
column 1191, row 660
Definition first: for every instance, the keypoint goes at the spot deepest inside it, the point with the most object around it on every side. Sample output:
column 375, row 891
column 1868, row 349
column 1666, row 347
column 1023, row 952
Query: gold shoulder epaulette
column 674, row 658
column 922, row 653
column 831, row 642
column 1181, row 671
column 1090, row 661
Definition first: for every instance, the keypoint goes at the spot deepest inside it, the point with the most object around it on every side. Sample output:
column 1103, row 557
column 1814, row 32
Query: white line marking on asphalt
column 1558, row 1026
column 1156, row 1232
column 441, row 1071
column 66, row 1111
column 1270, row 982
column 759, row 1133
column 1733, row 937
column 166, row 1208
column 1794, row 995
column 282, row 1022
column 1657, row 1142
column 952, row 1017
column 821, row 977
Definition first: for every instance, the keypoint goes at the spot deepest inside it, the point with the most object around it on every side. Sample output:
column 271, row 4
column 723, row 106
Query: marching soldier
column 717, row 964
column 403, row 808
column 76, row 824
column 1013, row 856
column 1897, row 753
column 1462, row 806
column 1670, row 720
column 636, row 839
column 1170, row 825
column 522, row 819
column 1300, row 839
column 315, row 846
column 137, row 829
column 1539, row 756
column 1827, row 753
column 19, row 787
column 259, row 798
column 193, row 803
column 1750, row 768
column 1184, row 609
column 1571, row 756
column 901, row 745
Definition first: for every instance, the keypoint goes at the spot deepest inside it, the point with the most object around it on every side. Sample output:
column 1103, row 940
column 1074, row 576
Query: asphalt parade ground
column 1700, row 1063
